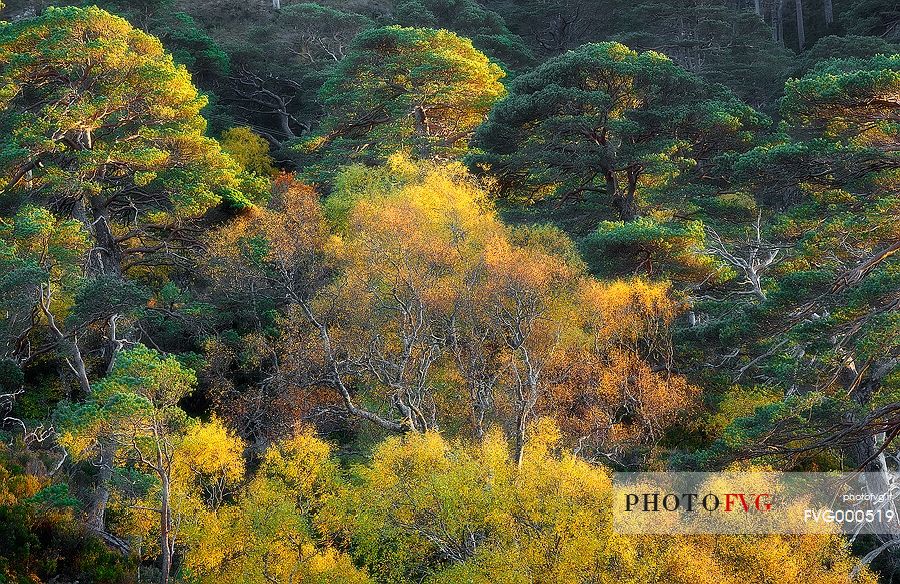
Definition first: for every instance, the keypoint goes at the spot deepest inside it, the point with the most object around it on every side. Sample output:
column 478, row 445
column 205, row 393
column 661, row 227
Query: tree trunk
column 421, row 129
column 75, row 359
column 165, row 526
column 757, row 7
column 861, row 388
column 521, row 425
column 96, row 516
column 801, row 31
column 78, row 366
column 106, row 257
column 627, row 207
column 527, row 390
column 829, row 12
column 625, row 201
column 285, row 118
column 276, row 4
column 113, row 342
column 477, row 414
column 612, row 185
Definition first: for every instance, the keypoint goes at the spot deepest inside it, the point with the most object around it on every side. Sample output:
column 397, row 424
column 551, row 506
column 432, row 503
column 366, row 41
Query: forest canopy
column 386, row 291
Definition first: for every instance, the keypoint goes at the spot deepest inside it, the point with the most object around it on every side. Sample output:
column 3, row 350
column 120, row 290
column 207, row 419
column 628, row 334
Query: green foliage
column 101, row 297
column 741, row 402
column 290, row 53
column 765, row 418
column 844, row 47
column 134, row 405
column 838, row 121
column 826, row 326
column 36, row 249
column 847, row 85
column 712, row 39
column 556, row 26
column 147, row 374
column 679, row 283
column 179, row 32
column 192, row 46
column 877, row 18
column 131, row 147
column 11, row 376
column 469, row 19
column 603, row 121
column 627, row 133
column 652, row 246
column 320, row 35
column 54, row 496
column 421, row 91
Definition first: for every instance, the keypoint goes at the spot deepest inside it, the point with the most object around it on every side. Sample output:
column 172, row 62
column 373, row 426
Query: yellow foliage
column 741, row 401
column 209, row 451
column 265, row 535
column 420, row 280
column 439, row 512
column 424, row 256
column 621, row 312
column 302, row 464
column 249, row 150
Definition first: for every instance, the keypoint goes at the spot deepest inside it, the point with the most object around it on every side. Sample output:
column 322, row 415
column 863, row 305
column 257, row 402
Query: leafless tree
column 752, row 259
column 265, row 95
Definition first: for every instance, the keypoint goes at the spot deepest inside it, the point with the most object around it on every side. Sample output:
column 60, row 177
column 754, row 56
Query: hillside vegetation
column 385, row 291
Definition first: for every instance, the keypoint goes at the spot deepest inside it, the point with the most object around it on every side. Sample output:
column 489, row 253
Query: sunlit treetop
column 415, row 89
column 840, row 128
column 99, row 122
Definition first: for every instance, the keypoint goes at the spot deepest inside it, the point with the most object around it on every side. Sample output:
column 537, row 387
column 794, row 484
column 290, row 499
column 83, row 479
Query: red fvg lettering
column 761, row 501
